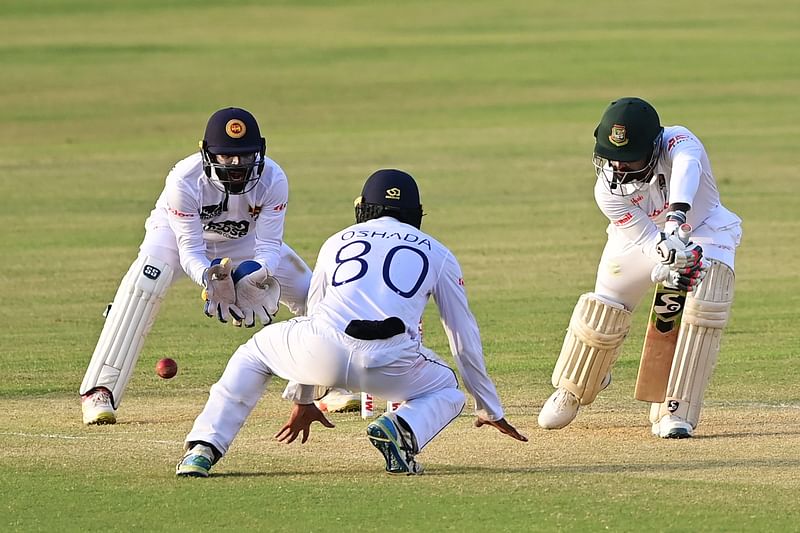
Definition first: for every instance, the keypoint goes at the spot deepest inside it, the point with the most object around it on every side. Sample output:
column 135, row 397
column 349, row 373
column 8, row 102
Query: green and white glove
column 218, row 291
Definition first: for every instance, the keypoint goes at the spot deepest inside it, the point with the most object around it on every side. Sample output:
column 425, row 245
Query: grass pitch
column 491, row 105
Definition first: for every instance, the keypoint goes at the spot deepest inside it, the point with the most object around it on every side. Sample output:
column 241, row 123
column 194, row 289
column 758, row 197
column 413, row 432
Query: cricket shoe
column 97, row 407
column 339, row 401
column 196, row 462
column 672, row 427
column 395, row 443
column 561, row 407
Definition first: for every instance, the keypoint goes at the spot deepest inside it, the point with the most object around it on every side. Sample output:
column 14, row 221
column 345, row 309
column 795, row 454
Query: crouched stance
column 650, row 180
column 368, row 290
column 226, row 201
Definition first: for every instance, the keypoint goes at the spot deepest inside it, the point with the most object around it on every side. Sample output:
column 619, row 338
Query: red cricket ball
column 166, row 368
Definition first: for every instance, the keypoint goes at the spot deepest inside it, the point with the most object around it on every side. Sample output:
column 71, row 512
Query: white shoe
column 339, row 401
column 561, row 407
column 672, row 427
column 559, row 410
column 98, row 408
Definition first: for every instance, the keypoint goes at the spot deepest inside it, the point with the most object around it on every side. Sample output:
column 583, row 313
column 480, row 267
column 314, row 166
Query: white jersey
column 682, row 175
column 383, row 268
column 201, row 215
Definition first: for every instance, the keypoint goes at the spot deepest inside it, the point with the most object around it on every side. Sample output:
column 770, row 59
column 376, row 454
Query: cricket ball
column 166, row 368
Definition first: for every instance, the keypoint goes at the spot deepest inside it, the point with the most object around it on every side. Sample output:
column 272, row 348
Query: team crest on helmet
column 393, row 193
column 235, row 128
column 619, row 135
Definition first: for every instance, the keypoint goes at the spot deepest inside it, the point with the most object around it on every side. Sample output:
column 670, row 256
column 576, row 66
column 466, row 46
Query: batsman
column 654, row 184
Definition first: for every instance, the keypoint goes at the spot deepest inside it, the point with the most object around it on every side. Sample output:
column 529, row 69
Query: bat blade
column 659, row 344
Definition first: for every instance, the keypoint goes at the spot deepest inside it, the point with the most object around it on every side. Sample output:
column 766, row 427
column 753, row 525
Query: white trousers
column 311, row 352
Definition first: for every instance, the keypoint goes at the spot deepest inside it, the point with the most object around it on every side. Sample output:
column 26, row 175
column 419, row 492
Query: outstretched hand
column 503, row 427
column 300, row 420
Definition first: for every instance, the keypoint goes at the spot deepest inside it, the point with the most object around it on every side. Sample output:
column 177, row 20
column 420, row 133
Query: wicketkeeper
column 650, row 180
column 219, row 221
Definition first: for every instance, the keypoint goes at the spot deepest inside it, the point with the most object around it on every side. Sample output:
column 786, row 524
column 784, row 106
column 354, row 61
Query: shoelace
column 101, row 398
column 564, row 398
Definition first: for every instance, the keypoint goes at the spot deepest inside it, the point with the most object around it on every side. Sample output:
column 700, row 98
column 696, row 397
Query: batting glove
column 676, row 254
column 685, row 279
column 218, row 291
column 257, row 294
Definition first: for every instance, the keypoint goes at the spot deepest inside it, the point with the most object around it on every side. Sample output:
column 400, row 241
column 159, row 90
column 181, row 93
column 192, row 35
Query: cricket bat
column 661, row 338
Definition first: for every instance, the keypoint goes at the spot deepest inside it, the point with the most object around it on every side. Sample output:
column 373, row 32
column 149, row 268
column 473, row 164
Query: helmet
column 233, row 132
column 629, row 132
column 390, row 192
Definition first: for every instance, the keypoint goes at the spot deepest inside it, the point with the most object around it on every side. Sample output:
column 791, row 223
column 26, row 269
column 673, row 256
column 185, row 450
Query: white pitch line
column 75, row 437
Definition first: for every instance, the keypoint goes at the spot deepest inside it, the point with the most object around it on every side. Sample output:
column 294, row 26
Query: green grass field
column 491, row 105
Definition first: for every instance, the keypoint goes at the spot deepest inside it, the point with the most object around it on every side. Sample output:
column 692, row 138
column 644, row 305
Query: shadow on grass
column 452, row 470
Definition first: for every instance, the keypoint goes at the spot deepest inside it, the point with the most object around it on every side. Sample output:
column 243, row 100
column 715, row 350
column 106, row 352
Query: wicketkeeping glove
column 218, row 292
column 676, row 254
column 257, row 294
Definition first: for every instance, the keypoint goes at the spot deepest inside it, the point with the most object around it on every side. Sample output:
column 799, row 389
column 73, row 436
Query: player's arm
column 319, row 281
column 183, row 208
column 269, row 225
column 684, row 180
column 465, row 344
column 635, row 225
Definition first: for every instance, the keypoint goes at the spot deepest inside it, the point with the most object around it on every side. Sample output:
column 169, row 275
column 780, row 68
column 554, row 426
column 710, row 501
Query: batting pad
column 128, row 322
column 597, row 329
column 706, row 314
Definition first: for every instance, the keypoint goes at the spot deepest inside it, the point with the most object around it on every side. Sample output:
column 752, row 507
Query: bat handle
column 684, row 232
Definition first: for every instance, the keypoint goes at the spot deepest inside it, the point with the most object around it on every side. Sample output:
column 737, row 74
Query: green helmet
column 629, row 131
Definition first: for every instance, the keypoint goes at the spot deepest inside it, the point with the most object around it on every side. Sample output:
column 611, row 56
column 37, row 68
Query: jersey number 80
column 358, row 250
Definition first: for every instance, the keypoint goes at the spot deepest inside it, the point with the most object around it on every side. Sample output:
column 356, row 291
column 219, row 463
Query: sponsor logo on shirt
column 624, row 219
column 254, row 211
column 279, row 207
column 636, row 199
column 655, row 212
column 460, row 282
column 230, row 229
column 180, row 214
column 676, row 141
column 210, row 211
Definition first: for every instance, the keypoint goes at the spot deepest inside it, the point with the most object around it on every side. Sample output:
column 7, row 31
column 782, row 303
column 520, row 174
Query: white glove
column 257, row 293
column 218, row 291
column 685, row 279
column 676, row 254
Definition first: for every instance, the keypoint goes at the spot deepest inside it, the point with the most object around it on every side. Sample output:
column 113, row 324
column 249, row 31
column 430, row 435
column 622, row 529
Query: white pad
column 704, row 317
column 128, row 322
column 597, row 329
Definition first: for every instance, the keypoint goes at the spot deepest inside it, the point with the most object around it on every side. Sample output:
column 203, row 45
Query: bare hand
column 503, row 427
column 303, row 415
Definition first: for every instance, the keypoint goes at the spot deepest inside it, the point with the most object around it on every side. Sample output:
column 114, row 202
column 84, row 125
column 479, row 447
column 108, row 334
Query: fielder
column 650, row 180
column 369, row 288
column 219, row 221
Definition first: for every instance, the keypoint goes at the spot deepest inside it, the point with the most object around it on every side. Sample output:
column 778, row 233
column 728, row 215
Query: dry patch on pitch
column 737, row 443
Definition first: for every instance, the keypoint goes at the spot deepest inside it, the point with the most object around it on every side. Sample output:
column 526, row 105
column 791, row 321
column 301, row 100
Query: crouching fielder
column 650, row 180
column 219, row 221
column 368, row 289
